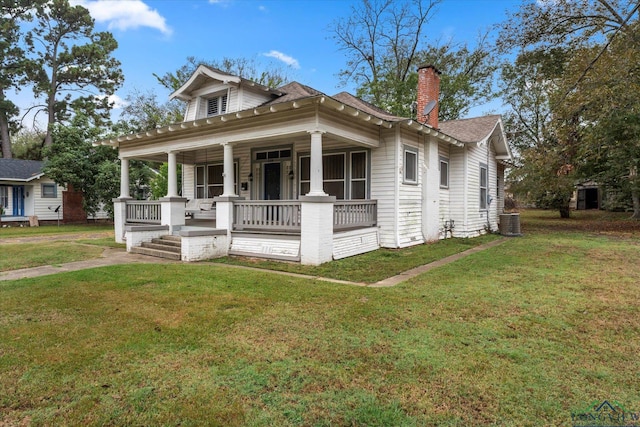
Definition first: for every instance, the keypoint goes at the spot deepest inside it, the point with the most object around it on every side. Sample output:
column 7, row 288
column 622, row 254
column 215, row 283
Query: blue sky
column 156, row 36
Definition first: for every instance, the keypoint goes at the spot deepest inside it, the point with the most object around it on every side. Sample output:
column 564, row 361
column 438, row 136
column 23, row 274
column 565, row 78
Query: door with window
column 18, row 200
column 272, row 181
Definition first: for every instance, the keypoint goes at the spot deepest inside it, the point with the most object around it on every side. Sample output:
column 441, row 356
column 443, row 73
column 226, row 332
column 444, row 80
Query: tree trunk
column 4, row 136
column 635, row 197
column 564, row 211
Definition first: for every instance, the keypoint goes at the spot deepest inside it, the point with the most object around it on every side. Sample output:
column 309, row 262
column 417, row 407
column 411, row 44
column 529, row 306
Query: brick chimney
column 428, row 90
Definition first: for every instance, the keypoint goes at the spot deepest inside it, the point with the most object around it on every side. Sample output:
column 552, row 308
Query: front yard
column 528, row 333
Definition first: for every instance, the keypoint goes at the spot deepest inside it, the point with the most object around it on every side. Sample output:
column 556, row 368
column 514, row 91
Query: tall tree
column 73, row 67
column 248, row 68
column 384, row 41
column 12, row 64
column 544, row 169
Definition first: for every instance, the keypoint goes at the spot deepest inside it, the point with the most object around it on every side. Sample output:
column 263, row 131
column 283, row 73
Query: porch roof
column 20, row 170
column 349, row 106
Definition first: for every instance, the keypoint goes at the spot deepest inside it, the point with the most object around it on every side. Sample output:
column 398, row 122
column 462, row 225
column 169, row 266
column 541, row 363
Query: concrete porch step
column 156, row 253
column 170, row 241
column 162, row 247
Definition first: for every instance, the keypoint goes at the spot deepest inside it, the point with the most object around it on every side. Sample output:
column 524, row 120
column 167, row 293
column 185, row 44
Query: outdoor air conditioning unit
column 510, row 224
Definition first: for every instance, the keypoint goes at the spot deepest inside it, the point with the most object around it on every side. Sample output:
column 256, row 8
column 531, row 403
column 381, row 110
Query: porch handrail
column 144, row 211
column 267, row 215
column 354, row 214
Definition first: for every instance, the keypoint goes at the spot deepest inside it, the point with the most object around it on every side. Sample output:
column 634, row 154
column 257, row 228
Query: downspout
column 465, row 193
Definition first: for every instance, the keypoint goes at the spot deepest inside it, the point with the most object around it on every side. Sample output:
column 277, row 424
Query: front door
column 272, row 181
column 18, row 200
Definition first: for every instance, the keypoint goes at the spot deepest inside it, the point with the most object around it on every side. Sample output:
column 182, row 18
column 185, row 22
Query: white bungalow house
column 294, row 174
column 25, row 191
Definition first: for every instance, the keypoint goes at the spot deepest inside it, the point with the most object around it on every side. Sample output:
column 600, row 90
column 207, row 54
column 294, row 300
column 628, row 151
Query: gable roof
column 20, row 170
column 205, row 73
column 478, row 130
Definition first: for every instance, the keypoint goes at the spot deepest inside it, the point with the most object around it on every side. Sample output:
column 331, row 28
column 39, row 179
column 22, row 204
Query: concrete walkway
column 115, row 256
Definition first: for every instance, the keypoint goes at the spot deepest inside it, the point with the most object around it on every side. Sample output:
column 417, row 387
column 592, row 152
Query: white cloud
column 124, row 15
column 118, row 102
column 290, row 61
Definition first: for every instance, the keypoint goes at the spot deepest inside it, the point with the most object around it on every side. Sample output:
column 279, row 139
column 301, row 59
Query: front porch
column 258, row 228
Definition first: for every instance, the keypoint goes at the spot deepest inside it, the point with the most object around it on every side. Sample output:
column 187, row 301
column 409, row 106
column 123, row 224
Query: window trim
column 347, row 171
column 48, row 185
column 444, row 160
column 221, row 107
column 206, row 185
column 484, row 190
column 414, row 151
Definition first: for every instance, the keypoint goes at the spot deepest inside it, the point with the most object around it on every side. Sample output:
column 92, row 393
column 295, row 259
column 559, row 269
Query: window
column 359, row 175
column 210, row 182
column 49, row 191
column 444, row 172
column 216, row 105
column 484, row 179
column 4, row 197
column 342, row 179
column 410, row 165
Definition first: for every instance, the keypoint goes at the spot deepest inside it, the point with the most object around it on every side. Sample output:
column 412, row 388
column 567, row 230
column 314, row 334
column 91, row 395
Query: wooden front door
column 272, row 181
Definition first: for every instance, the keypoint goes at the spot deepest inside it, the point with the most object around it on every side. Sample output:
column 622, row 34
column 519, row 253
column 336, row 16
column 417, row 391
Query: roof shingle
column 19, row 170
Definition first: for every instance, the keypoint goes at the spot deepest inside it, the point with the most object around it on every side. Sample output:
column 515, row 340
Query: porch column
column 224, row 203
column 315, row 163
column 124, row 178
column 172, row 180
column 120, row 203
column 229, row 175
column 172, row 206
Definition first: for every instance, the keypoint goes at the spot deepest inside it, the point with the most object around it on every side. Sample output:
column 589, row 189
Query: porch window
column 342, row 179
column 359, row 175
column 483, row 186
column 4, row 196
column 444, row 172
column 410, row 165
column 210, row 182
column 216, row 105
column 49, row 191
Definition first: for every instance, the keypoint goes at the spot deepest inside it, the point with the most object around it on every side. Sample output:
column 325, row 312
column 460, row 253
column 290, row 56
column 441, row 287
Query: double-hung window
column 444, row 172
column 49, row 191
column 210, row 180
column 410, row 165
column 344, row 175
column 484, row 182
column 217, row 105
column 4, row 196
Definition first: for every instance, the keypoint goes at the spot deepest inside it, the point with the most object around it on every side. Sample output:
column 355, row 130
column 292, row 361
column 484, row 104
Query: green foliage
column 73, row 161
column 13, row 64
column 143, row 112
column 160, row 181
column 71, row 66
column 27, row 144
column 384, row 45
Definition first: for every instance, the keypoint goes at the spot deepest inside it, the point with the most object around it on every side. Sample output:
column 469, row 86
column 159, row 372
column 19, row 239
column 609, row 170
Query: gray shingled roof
column 293, row 91
column 470, row 130
column 19, row 170
column 355, row 102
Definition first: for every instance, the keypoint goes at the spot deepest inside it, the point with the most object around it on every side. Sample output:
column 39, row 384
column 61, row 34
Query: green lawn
column 48, row 230
column 523, row 334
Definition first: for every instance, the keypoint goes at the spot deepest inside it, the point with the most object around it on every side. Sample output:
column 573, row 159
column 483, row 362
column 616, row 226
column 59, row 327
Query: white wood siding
column 355, row 242
column 384, row 175
column 410, row 196
column 189, row 181
column 457, row 189
column 41, row 205
column 445, row 193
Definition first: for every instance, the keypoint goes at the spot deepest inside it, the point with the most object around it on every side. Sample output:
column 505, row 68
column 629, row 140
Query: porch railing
column 144, row 211
column 267, row 215
column 354, row 214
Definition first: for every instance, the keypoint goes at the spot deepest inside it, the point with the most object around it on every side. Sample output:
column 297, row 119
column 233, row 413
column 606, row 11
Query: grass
column 372, row 266
column 523, row 334
column 48, row 230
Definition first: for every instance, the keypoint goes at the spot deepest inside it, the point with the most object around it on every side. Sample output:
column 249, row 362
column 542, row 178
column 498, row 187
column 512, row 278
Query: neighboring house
column 292, row 173
column 25, row 192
